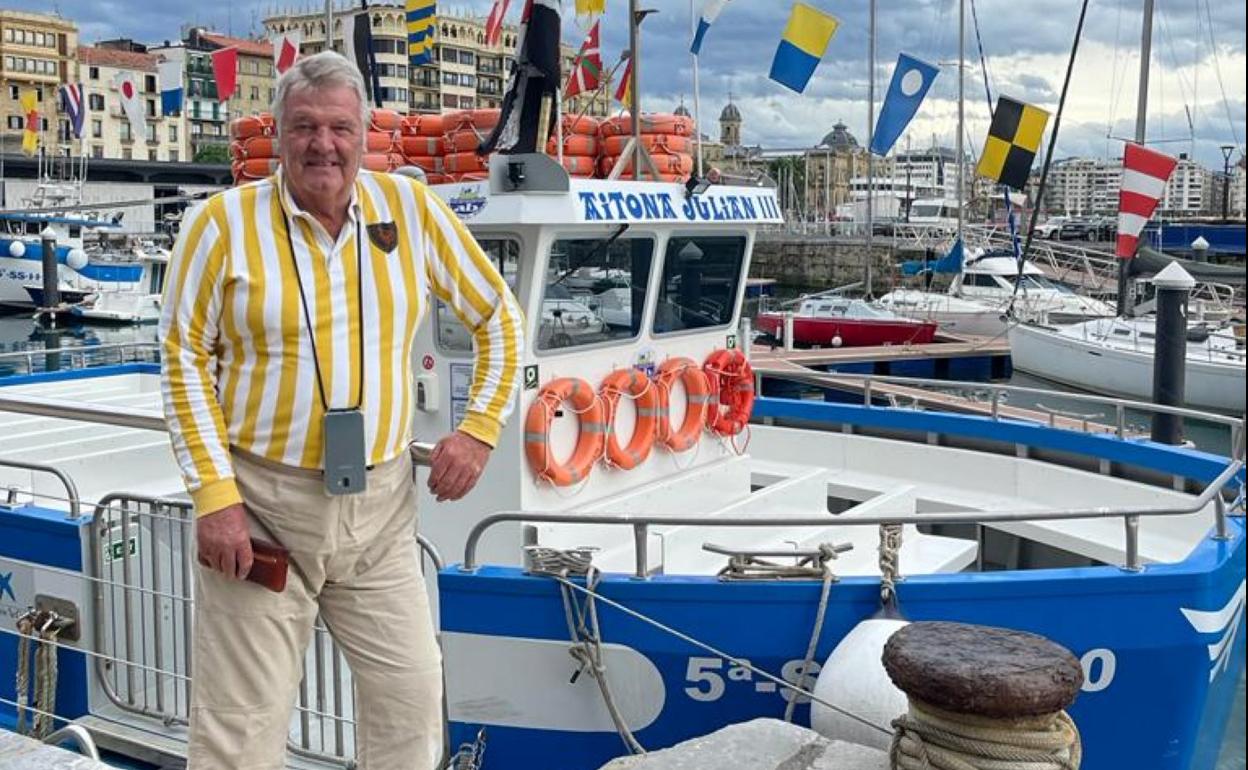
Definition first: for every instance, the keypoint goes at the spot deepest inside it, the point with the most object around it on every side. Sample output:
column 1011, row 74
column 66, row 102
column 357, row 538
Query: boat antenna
column 1141, row 123
column 1048, row 160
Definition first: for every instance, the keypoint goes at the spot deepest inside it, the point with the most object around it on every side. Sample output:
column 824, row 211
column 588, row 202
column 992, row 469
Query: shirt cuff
column 214, row 496
column 481, row 427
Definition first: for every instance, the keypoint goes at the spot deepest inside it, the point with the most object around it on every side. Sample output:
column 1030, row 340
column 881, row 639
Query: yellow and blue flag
column 421, row 18
column 805, row 39
column 911, row 80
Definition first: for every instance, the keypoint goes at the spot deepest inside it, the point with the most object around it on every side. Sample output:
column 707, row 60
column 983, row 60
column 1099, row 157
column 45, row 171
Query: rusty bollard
column 981, row 696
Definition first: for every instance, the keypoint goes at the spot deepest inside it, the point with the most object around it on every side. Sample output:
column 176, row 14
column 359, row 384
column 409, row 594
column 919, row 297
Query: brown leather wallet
column 269, row 565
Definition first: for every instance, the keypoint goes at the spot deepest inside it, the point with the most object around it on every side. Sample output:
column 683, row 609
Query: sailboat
column 1116, row 355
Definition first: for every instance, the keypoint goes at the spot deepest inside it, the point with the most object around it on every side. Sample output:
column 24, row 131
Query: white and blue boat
column 1129, row 553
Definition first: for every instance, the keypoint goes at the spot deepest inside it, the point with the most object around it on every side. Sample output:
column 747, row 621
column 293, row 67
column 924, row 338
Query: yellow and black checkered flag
column 1013, row 140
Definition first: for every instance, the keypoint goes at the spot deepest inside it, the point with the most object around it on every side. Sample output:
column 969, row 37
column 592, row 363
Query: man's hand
column 225, row 541
column 455, row 465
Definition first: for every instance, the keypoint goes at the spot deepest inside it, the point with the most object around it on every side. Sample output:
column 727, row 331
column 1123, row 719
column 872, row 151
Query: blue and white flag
column 911, row 80
column 710, row 12
column 71, row 103
column 169, row 73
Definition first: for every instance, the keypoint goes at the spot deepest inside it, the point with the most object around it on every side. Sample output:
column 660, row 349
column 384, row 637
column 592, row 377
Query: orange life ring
column 422, row 145
column 698, row 400
column 464, row 140
column 422, row 125
column 255, row 168
column 646, row 397
column 732, row 387
column 578, row 165
column 580, row 124
column 465, row 163
column 429, row 163
column 482, row 120
column 378, row 141
column 574, row 144
column 436, row 178
column 586, row 403
column 666, row 164
column 654, row 123
column 381, row 161
column 385, row 120
column 253, row 125
column 663, row 143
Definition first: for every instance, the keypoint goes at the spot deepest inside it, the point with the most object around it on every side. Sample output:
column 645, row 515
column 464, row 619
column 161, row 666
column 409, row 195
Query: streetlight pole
column 1227, row 151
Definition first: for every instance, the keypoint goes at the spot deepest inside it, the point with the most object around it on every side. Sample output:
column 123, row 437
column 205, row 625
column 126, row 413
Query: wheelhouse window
column 451, row 333
column 701, row 276
column 595, row 291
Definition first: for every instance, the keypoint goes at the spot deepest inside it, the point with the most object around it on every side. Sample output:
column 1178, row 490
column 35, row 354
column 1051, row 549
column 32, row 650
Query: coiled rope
column 928, row 738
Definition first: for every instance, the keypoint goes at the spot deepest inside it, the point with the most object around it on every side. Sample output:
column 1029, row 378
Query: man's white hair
column 327, row 69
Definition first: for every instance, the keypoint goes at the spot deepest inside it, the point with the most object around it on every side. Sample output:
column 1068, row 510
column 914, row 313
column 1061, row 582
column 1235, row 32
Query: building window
column 127, row 153
column 450, row 78
column 151, row 134
column 93, row 73
column 16, row 122
column 173, row 156
column 95, row 102
column 255, row 93
column 97, row 151
column 465, row 57
column 151, row 108
column 151, row 154
column 126, row 134
column 97, row 129
column 8, row 35
column 15, row 93
column 173, row 132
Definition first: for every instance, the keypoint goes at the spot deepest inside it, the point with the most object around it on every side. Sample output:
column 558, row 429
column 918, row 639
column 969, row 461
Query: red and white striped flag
column 286, row 49
column 1144, row 175
column 494, row 24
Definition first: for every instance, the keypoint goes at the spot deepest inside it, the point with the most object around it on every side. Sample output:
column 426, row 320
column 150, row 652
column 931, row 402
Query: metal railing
column 11, row 494
column 641, row 522
column 78, row 357
column 997, row 394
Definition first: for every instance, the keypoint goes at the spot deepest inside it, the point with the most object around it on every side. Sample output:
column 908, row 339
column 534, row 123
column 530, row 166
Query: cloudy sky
column 1196, row 98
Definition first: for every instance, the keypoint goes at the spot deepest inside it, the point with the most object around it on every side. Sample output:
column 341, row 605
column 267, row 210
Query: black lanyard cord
column 359, row 306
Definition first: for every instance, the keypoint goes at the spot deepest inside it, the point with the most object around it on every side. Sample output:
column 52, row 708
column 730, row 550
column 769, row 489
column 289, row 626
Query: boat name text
column 618, row 206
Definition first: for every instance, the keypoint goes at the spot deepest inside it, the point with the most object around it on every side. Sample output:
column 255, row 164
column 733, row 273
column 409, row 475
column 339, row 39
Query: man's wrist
column 482, row 427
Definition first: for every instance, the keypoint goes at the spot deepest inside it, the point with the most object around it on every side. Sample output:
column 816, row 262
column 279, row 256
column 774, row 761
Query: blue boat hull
column 1153, row 698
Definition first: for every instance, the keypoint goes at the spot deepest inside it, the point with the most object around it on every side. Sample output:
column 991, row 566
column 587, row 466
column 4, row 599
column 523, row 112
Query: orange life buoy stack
column 697, row 400
column 667, row 137
column 382, row 148
column 585, row 402
column 732, row 388
column 463, row 132
column 422, row 144
column 645, row 395
column 580, row 145
column 253, row 148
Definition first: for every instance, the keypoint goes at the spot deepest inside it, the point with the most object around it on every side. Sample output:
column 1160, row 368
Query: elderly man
column 288, row 325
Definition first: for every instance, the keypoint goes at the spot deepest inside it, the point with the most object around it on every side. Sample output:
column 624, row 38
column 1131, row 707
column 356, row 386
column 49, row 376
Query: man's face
column 321, row 142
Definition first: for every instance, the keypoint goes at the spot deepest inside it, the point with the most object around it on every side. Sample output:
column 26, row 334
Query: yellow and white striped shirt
column 238, row 365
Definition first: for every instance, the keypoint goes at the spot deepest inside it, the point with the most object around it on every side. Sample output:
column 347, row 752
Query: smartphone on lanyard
column 343, row 455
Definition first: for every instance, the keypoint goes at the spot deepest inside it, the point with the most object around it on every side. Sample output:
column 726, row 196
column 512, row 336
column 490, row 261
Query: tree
column 213, row 153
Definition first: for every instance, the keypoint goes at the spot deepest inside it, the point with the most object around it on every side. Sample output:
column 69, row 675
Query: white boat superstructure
column 1116, row 356
column 139, row 304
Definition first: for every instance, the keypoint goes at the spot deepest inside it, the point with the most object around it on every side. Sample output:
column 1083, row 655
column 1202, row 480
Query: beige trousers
column 354, row 559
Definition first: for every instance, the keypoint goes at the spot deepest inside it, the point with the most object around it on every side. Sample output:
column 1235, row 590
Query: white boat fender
column 864, row 701
column 17, row 249
column 76, row 259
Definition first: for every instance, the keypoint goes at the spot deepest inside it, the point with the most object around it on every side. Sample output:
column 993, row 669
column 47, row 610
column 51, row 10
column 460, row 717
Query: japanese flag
column 131, row 103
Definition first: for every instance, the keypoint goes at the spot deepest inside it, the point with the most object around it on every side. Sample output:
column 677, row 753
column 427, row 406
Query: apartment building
column 1237, row 191
column 1189, row 191
column 106, row 131
column 36, row 53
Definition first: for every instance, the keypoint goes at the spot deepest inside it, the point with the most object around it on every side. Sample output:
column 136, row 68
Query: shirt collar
column 355, row 211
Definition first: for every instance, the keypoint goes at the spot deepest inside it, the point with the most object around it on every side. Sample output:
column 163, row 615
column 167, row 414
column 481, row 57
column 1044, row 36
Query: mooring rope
column 928, row 738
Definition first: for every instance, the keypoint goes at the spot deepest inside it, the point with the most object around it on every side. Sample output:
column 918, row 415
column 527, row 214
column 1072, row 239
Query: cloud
column 1026, row 44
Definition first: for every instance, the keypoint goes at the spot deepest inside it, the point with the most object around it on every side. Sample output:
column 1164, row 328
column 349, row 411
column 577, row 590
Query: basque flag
column 911, row 80
column 71, row 103
column 805, row 39
column 710, row 12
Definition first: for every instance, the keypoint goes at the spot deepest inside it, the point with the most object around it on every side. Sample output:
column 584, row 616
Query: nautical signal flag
column 1013, row 141
column 587, row 68
column 286, row 49
column 31, row 125
column 1144, row 176
column 422, row 17
column 624, row 91
column 710, row 12
column 169, row 73
column 225, row 72
column 71, row 104
column 494, row 24
column 911, row 80
column 805, row 38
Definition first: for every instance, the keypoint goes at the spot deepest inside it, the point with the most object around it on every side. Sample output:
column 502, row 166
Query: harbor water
column 21, row 334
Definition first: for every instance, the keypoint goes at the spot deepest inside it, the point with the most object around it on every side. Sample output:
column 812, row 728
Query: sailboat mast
column 959, row 149
column 1141, row 122
column 870, row 157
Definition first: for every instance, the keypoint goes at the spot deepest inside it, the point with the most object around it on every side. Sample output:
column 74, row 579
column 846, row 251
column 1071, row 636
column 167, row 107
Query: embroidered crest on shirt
column 384, row 235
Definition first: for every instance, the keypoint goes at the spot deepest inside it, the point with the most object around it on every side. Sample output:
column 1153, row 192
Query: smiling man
column 288, row 325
